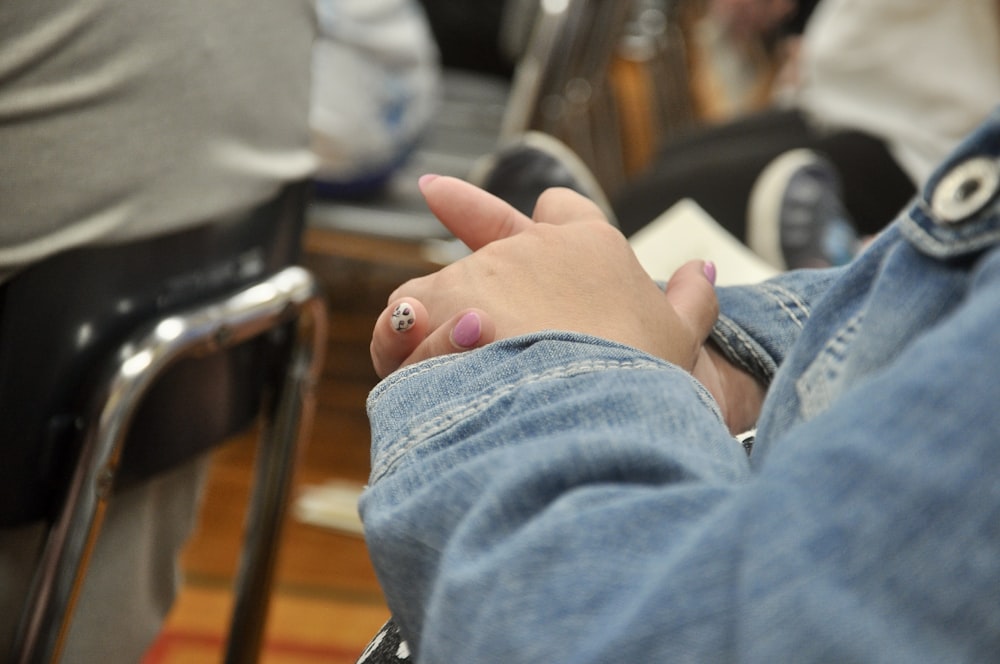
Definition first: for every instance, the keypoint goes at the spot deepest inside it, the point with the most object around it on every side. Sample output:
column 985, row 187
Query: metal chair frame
column 290, row 297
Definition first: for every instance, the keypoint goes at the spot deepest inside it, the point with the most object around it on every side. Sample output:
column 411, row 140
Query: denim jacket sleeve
column 502, row 476
column 758, row 323
column 557, row 498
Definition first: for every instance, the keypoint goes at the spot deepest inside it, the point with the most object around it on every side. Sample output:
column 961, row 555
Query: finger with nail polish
column 400, row 328
column 465, row 331
column 710, row 272
column 403, row 317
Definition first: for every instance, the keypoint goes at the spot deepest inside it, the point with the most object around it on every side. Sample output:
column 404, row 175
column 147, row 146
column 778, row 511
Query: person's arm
column 486, row 469
column 557, row 497
column 454, row 325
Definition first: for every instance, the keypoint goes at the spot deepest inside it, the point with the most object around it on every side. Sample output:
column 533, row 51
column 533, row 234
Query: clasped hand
column 565, row 269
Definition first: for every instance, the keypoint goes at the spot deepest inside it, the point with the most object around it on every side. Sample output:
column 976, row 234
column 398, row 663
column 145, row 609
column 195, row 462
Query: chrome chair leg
column 278, row 450
column 290, row 296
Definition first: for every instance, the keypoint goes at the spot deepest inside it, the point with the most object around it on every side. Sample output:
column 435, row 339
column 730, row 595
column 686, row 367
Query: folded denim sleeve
column 557, row 498
column 758, row 323
column 501, row 477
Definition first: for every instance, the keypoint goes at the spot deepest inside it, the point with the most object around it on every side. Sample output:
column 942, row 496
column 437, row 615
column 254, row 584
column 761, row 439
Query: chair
column 595, row 74
column 119, row 362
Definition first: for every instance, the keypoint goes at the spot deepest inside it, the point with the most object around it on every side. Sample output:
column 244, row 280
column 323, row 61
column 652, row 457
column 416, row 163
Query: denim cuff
column 759, row 323
column 435, row 399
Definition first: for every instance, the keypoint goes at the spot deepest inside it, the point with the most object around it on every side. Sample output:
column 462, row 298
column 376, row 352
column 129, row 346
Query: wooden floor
column 327, row 603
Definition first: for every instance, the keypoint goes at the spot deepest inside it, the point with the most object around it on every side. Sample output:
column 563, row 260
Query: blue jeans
column 561, row 498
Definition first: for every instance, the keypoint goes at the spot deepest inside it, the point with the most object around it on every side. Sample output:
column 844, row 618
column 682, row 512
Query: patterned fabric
column 388, row 647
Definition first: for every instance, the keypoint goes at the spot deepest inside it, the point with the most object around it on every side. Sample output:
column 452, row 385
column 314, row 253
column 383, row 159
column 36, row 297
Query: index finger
column 474, row 216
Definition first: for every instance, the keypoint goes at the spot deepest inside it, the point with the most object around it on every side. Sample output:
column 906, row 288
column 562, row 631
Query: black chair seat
column 61, row 319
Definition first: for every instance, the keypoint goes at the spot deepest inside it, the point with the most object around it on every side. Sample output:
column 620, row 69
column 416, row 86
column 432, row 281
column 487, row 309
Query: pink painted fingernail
column 467, row 330
column 710, row 272
column 426, row 180
column 403, row 317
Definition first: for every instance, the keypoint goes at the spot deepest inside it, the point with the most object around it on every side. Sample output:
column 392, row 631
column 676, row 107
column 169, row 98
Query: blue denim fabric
column 558, row 498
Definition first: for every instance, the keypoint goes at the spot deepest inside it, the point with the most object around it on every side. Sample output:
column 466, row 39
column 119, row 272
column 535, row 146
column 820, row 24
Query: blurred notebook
column 686, row 232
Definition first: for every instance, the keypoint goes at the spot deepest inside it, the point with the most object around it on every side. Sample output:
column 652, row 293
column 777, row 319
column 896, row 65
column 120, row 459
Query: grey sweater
column 124, row 119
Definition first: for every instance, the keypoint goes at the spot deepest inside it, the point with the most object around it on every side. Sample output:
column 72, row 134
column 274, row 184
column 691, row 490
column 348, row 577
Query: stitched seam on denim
column 784, row 299
column 421, row 369
column 815, row 386
column 762, row 366
column 442, row 422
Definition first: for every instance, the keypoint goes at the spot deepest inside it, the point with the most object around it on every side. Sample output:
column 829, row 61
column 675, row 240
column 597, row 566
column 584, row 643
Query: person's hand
column 475, row 217
column 570, row 271
column 405, row 333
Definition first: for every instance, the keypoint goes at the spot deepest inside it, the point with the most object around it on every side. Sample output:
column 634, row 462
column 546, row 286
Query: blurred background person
column 880, row 90
column 121, row 122
column 376, row 78
column 737, row 49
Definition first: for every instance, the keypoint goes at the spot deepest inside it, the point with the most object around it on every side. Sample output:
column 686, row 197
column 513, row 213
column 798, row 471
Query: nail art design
column 403, row 317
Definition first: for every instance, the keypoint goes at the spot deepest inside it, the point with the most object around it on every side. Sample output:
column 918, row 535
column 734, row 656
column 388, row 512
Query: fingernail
column 710, row 272
column 467, row 330
column 403, row 317
column 426, row 180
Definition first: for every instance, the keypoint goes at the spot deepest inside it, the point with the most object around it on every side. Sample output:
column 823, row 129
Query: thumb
column 691, row 292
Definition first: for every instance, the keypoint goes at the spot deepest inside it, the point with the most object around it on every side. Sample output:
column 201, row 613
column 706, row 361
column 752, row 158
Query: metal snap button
column 966, row 189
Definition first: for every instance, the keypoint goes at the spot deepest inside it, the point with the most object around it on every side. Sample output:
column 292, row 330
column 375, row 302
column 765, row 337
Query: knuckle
column 548, row 198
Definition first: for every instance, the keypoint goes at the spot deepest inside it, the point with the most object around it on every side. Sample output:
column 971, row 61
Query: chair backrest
column 60, row 318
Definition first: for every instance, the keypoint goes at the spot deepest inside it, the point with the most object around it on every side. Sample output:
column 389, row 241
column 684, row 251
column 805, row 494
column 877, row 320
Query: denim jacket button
column 966, row 189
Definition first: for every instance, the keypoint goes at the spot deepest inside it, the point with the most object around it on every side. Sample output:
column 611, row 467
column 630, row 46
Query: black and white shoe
column 523, row 168
column 795, row 218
